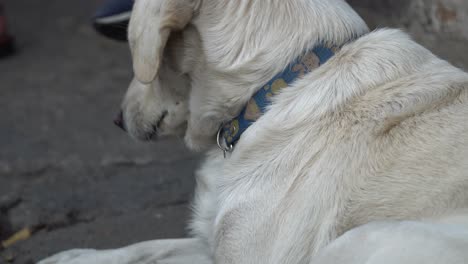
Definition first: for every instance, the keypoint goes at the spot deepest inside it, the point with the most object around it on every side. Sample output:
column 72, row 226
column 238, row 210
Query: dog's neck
column 230, row 132
column 246, row 43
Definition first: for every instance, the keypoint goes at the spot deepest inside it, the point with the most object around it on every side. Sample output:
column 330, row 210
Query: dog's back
column 380, row 132
column 413, row 127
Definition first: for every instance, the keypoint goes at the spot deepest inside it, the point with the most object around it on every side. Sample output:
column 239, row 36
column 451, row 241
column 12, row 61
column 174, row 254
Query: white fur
column 363, row 160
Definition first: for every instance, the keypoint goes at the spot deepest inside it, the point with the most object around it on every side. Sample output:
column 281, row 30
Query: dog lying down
column 339, row 145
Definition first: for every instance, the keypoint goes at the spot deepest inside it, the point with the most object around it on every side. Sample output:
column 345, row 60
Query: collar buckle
column 220, row 139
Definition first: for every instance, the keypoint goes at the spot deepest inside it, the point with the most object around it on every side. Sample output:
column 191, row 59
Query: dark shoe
column 7, row 46
column 111, row 19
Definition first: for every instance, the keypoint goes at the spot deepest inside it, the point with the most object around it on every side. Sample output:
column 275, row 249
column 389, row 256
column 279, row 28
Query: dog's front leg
column 174, row 251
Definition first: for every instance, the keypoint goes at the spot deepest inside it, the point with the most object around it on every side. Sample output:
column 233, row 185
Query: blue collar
column 231, row 131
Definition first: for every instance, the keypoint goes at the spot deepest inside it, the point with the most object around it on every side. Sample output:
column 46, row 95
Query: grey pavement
column 65, row 171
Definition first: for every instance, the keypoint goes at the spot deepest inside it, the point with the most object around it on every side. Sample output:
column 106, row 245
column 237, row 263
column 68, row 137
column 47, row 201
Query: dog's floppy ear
column 150, row 26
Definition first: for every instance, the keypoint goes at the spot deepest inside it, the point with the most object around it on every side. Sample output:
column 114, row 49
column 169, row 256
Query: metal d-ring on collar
column 224, row 147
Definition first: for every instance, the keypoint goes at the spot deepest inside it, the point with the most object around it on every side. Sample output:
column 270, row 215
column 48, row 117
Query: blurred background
column 68, row 177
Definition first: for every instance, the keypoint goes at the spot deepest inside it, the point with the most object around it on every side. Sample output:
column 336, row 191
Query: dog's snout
column 119, row 121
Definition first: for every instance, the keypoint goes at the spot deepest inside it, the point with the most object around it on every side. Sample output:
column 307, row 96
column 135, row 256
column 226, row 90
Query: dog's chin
column 153, row 133
column 198, row 143
column 144, row 135
column 195, row 142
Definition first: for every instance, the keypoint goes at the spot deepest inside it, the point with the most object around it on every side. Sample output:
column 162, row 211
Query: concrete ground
column 66, row 172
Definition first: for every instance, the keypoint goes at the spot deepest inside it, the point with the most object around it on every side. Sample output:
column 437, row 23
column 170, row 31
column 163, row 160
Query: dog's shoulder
column 398, row 79
column 384, row 72
column 379, row 95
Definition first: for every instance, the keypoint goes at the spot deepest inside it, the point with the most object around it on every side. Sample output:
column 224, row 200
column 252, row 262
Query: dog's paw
column 74, row 256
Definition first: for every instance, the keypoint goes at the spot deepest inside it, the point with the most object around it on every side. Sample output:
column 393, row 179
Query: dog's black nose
column 118, row 121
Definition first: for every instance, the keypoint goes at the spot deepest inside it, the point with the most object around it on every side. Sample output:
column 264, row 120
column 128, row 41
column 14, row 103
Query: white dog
column 361, row 157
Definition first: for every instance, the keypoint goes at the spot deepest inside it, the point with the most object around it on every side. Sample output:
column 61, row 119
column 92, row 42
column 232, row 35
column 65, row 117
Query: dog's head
column 156, row 103
column 197, row 63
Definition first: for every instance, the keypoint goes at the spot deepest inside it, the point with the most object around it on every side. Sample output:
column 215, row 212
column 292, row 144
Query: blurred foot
column 111, row 19
column 6, row 41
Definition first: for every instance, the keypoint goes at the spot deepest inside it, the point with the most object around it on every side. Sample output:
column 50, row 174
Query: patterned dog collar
column 230, row 132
